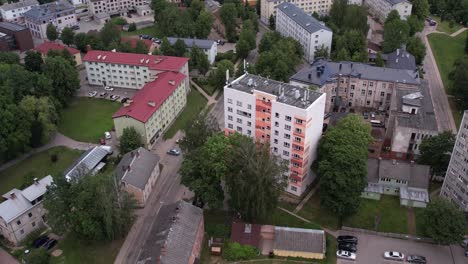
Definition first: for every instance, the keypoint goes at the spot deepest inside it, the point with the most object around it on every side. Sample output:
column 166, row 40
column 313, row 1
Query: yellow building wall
column 122, row 122
column 298, row 254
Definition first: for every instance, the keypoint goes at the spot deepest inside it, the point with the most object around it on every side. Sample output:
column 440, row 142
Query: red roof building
column 246, row 234
column 133, row 42
column 45, row 47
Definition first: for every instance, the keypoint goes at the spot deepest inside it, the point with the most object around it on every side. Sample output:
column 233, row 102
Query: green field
column 196, row 102
column 446, row 51
column 444, row 26
column 152, row 31
column 37, row 166
column 392, row 215
column 315, row 213
column 86, row 119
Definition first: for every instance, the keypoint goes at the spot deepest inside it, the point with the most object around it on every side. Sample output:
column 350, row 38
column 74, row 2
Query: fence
column 392, row 235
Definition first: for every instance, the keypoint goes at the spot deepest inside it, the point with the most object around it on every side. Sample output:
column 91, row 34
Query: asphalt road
column 218, row 112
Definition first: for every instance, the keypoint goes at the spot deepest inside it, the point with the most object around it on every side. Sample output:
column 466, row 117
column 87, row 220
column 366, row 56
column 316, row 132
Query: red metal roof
column 46, row 46
column 239, row 235
column 153, row 62
column 151, row 96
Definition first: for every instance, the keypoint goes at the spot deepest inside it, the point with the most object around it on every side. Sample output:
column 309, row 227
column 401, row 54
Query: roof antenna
column 227, row 76
column 245, row 68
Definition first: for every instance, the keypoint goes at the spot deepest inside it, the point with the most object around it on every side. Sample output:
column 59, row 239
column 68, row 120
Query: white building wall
column 235, row 101
column 15, row 15
column 268, row 7
column 404, row 9
column 19, row 228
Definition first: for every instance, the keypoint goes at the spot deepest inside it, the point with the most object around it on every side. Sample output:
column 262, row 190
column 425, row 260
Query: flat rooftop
column 285, row 93
column 12, row 26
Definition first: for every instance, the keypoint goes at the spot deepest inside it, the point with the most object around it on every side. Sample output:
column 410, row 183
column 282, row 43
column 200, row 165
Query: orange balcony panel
column 300, row 170
column 263, row 103
column 300, row 162
column 295, row 177
column 301, row 135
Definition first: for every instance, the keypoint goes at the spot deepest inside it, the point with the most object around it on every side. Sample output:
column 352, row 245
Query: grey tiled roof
column 311, row 75
column 48, row 11
column 201, row 43
column 25, row 3
column 299, row 239
column 141, row 163
column 306, row 21
column 87, row 162
column 288, row 96
column 416, row 175
column 12, row 26
column 173, row 234
column 400, row 59
column 425, row 118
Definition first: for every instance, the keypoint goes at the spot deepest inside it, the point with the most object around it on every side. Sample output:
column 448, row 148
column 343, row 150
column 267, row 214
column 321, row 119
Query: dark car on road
column 416, row 259
column 40, row 241
column 348, row 247
column 347, row 239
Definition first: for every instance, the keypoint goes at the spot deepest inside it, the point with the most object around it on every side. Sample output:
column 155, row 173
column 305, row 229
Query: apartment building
column 13, row 12
column 113, row 7
column 381, row 8
column 153, row 108
column 268, row 7
column 291, row 21
column 61, row 14
column 130, row 70
column 209, row 47
column 355, row 85
column 455, row 187
column 22, row 212
column 289, row 118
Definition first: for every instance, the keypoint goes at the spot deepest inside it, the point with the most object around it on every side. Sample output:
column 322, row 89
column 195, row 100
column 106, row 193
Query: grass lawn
column 418, row 212
column 152, row 31
column 313, row 212
column 86, row 119
column 196, row 102
column 446, row 51
column 392, row 215
column 76, row 251
column 37, row 166
column 444, row 26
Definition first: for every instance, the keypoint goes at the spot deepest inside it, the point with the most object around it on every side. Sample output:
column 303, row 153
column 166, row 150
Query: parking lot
column 85, row 88
column 371, row 248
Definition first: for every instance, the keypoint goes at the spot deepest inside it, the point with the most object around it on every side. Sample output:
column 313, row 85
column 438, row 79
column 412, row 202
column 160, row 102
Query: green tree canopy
column 417, row 48
column 141, row 47
column 459, row 76
column 166, row 47
column 420, row 9
column 379, row 61
column 321, row 52
column 64, row 77
column 129, row 140
column 37, row 256
column 415, row 25
column 396, row 33
column 80, row 41
column 436, row 152
column 199, row 60
column 67, row 36
column 180, row 49
column 393, row 15
column 43, row 117
column 9, row 57
column 198, row 131
column 33, row 61
column 218, row 76
column 203, row 24
column 443, row 222
column 51, row 32
column 109, row 34
column 228, row 14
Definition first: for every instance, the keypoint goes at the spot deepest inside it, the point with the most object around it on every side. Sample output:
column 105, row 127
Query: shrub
column 229, row 55
column 119, row 21
column 132, row 27
column 234, row 251
column 218, row 230
column 37, row 256
column 54, row 158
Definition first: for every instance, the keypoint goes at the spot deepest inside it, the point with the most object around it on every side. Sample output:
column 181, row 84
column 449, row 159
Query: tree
column 248, row 34
column 180, row 49
column 342, row 55
column 228, row 14
column 198, row 131
column 141, row 47
column 443, row 221
column 92, row 208
column 33, row 61
column 459, row 76
column 466, row 45
column 396, row 33
column 9, row 57
column 255, row 178
column 355, row 18
column 321, row 52
column 342, row 165
column 242, row 48
column 272, row 22
column 43, row 117
column 51, row 32
column 67, row 36
column 415, row 25
column 64, row 54
column 166, row 47
column 110, row 33
column 393, row 15
column 37, row 256
column 80, row 42
column 436, row 152
column 218, row 76
column 379, row 61
column 64, row 77
column 159, row 7
column 338, row 12
column 199, row 60
column 196, row 6
column 203, row 24
column 129, row 140
column 417, row 48
column 420, row 9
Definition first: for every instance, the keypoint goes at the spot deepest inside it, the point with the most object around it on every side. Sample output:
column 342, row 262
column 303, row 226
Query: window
column 384, row 85
column 30, row 214
column 369, row 92
column 33, row 224
column 371, row 84
column 352, row 87
column 230, row 109
column 18, row 222
column 239, row 120
column 239, row 103
column 368, row 102
column 299, row 121
column 297, row 139
column 298, row 130
column 275, row 149
column 287, row 136
column 276, row 133
column 296, row 165
column 275, row 141
column 229, row 101
column 293, row 188
column 286, row 153
column 288, row 128
column 288, row 118
column 382, row 94
column 239, row 129
column 363, row 92
column 22, row 231
column 276, row 115
column 249, row 123
column 249, row 106
column 229, row 118
column 364, row 83
column 230, row 126
column 351, row 94
column 286, row 144
column 296, row 156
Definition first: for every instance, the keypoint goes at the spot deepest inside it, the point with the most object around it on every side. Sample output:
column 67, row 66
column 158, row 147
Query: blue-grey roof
column 135, row 167
column 400, row 59
column 299, row 240
column 201, row 43
column 20, row 4
column 321, row 72
column 12, row 26
column 306, row 21
column 394, row 2
column 49, row 11
column 87, row 162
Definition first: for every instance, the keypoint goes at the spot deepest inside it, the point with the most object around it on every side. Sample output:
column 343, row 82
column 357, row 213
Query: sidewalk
column 211, row 99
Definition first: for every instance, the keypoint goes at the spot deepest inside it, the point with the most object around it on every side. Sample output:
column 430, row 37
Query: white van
column 107, row 135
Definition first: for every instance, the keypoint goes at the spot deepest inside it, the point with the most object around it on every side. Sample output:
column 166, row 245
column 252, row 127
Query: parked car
column 103, row 94
column 50, row 244
column 40, row 241
column 347, row 239
column 114, row 97
column 75, row 27
column 124, row 100
column 92, row 94
column 366, row 115
column 347, row 247
column 145, row 36
column 464, row 243
column 416, row 259
column 174, row 152
column 346, row 255
column 102, row 141
column 129, row 16
column 327, row 115
column 432, row 23
column 107, row 135
column 466, row 253
column 178, row 140
column 394, row 255
column 107, row 88
column 220, row 42
column 156, row 40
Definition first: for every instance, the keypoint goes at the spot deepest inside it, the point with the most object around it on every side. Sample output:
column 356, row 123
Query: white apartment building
column 268, row 7
column 130, row 70
column 153, row 109
column 289, row 118
column 78, row 2
column 455, row 187
column 312, row 34
column 209, row 47
column 13, row 12
column 22, row 212
column 112, row 7
column 61, row 14
column 381, row 8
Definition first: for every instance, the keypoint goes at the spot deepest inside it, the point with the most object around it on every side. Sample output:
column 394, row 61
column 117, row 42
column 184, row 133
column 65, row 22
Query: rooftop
column 322, row 71
column 153, row 62
column 21, row 202
column 49, row 9
column 87, row 162
column 299, row 239
column 135, row 167
column 416, row 175
column 146, row 101
column 21, row 4
column 173, row 234
column 395, row 2
column 425, row 117
column 285, row 93
column 400, row 59
column 306, row 21
column 12, row 26
column 414, row 194
column 201, row 43
column 47, row 45
column 246, row 234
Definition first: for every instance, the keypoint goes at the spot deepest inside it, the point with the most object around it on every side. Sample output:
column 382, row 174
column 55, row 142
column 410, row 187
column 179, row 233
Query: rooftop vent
column 142, row 60
column 152, row 103
column 12, row 195
column 171, row 82
column 147, row 61
column 294, row 15
column 99, row 56
column 35, row 181
column 297, row 94
column 308, row 24
column 104, row 57
column 250, row 82
column 114, row 50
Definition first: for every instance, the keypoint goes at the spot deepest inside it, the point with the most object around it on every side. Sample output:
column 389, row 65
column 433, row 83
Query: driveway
column 85, row 88
column 218, row 112
column 372, row 247
column 6, row 258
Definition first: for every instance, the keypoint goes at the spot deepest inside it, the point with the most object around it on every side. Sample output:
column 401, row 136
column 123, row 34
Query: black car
column 40, row 241
column 50, row 244
column 416, row 259
column 347, row 239
column 348, row 247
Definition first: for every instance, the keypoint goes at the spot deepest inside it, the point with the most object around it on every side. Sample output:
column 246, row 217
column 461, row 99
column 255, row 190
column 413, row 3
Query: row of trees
column 198, row 59
column 244, row 169
column 31, row 97
column 231, row 12
column 450, row 10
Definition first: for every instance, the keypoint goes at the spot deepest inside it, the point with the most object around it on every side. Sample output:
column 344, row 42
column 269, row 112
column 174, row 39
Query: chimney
column 124, row 168
column 12, row 195
column 128, row 168
column 351, row 65
column 152, row 103
column 35, row 181
column 396, row 60
column 227, row 76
